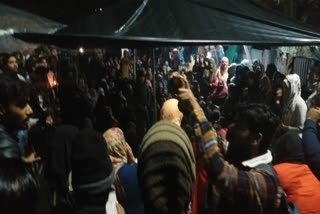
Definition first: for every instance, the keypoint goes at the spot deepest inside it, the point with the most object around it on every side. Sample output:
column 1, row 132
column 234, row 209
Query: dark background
column 69, row 11
column 64, row 11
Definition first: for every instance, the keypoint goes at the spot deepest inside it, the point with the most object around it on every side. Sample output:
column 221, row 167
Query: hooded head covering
column 291, row 92
column 118, row 147
column 166, row 169
column 246, row 63
column 170, row 111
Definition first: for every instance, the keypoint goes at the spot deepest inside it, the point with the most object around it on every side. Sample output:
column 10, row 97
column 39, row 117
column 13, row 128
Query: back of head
column 166, row 169
column 117, row 146
column 271, row 68
column 12, row 91
column 293, row 84
column 246, row 63
column 92, row 171
column 288, row 149
column 259, row 119
column 18, row 188
column 241, row 75
column 170, row 111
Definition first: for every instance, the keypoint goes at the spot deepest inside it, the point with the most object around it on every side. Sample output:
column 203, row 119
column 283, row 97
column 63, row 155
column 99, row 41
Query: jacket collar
column 262, row 159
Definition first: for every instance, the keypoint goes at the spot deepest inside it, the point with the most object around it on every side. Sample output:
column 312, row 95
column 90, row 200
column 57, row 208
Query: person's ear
column 256, row 143
column 257, row 139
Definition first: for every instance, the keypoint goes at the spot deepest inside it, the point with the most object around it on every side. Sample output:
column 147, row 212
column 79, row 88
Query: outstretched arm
column 255, row 190
column 311, row 144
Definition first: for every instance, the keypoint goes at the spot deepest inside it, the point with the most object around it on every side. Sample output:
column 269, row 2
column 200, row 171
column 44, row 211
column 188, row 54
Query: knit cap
column 166, row 169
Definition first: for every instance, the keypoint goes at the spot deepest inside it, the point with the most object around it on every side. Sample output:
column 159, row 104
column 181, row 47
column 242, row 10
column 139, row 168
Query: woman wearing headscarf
column 294, row 108
column 125, row 166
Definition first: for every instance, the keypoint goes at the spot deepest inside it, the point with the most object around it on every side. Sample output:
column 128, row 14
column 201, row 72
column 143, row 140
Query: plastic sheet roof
column 135, row 23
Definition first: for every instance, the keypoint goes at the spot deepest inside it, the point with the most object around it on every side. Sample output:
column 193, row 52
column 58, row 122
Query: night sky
column 70, row 11
column 64, row 11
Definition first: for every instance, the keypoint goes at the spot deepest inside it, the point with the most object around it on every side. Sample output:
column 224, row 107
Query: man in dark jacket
column 15, row 113
column 18, row 187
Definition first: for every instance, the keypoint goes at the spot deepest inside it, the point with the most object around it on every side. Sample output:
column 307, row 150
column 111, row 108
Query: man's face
column 19, row 116
column 43, row 64
column 224, row 63
column 12, row 64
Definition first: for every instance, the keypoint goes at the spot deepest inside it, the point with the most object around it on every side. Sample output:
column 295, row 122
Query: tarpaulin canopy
column 13, row 20
column 10, row 44
column 182, row 22
column 21, row 21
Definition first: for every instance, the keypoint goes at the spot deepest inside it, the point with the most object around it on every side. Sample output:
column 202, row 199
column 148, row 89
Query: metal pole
column 154, row 85
column 135, row 64
column 246, row 50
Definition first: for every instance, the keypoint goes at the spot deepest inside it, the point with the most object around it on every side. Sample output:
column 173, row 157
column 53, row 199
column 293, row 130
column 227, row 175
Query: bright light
column 81, row 50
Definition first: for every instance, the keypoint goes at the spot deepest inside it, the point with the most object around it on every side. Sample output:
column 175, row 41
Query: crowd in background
column 88, row 140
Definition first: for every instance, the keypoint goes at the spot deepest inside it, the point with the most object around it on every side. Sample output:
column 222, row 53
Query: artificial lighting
column 81, row 50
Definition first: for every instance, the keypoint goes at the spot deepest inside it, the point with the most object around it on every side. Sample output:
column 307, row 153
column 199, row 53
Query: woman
column 294, row 108
column 125, row 166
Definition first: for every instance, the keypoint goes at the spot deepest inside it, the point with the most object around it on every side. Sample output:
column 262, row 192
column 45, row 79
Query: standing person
column 166, row 167
column 222, row 72
column 15, row 114
column 175, row 61
column 124, row 163
column 250, row 184
column 92, row 175
column 18, row 188
column 263, row 80
column 294, row 108
column 143, row 99
column 219, row 82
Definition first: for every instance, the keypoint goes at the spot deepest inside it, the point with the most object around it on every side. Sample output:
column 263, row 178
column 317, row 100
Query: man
column 143, row 98
column 249, row 185
column 11, row 67
column 15, row 113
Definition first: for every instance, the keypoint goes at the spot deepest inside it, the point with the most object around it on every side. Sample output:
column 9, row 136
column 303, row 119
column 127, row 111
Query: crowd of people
column 176, row 131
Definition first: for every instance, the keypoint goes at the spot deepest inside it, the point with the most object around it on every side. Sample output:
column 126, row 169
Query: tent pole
column 154, row 86
column 246, row 50
column 135, row 64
